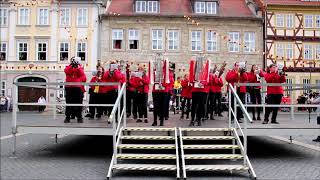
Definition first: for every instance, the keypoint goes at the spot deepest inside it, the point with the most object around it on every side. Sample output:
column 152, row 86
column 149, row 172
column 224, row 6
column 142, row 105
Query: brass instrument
column 159, row 71
column 222, row 68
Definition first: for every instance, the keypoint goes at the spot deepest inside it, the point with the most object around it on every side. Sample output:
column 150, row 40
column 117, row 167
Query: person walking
column 274, row 93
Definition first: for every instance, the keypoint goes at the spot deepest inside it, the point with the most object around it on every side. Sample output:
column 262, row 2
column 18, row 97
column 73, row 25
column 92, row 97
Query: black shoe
column 73, row 117
column 274, row 122
column 80, row 120
column 316, row 140
column 88, row 115
column 146, row 121
column 265, row 122
column 211, row 118
column 259, row 119
column 154, row 123
column 187, row 118
column 239, row 121
column 128, row 115
column 198, row 123
column 191, row 123
column 166, row 118
column 161, row 123
column 139, row 121
column 220, row 115
column 91, row 117
column 181, row 117
column 98, row 116
column 254, row 118
column 67, row 120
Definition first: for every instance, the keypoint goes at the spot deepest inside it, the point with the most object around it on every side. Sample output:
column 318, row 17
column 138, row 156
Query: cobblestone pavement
column 88, row 157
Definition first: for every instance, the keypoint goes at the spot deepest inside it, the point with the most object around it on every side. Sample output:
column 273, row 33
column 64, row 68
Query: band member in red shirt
column 274, row 93
column 74, row 93
column 170, row 91
column 131, row 96
column 199, row 97
column 237, row 75
column 217, row 95
column 186, row 96
column 254, row 76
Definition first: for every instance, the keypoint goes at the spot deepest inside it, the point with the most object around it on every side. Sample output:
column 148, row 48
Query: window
column 280, row 20
column 157, row 39
column 60, row 91
column 3, row 16
column 317, row 17
column 234, row 41
column 152, row 6
column 82, row 50
column 308, row 21
column 317, row 51
column 24, row 14
column 307, row 51
column 133, row 39
column 42, row 48
column 288, row 88
column 22, row 51
column 289, row 51
column 280, row 51
column 306, row 88
column 212, row 43
column 173, row 39
column 289, row 20
column 3, row 88
column 211, row 7
column 200, row 7
column 195, row 40
column 65, row 14
column 141, row 6
column 3, row 51
column 249, row 42
column 43, row 16
column 117, row 38
column 82, row 17
column 64, row 51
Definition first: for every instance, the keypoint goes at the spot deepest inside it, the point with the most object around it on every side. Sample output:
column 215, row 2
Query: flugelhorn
column 222, row 68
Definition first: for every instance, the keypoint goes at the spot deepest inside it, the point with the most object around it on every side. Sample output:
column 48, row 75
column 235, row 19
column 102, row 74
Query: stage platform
column 43, row 123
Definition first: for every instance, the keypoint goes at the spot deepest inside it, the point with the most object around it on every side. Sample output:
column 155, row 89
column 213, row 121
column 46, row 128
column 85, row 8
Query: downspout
column 98, row 4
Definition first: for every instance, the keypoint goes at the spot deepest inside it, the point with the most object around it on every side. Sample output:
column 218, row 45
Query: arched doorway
column 30, row 94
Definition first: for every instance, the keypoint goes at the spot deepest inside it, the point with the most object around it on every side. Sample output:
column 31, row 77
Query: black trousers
column 41, row 108
column 142, row 99
column 129, row 99
column 242, row 98
column 210, row 105
column 217, row 102
column 74, row 95
column 159, row 101
column 111, row 97
column 198, row 105
column 92, row 100
column 185, row 106
column 255, row 97
column 166, row 110
column 272, row 99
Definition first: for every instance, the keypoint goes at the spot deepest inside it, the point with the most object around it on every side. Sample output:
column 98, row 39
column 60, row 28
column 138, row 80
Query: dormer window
column 147, row 6
column 205, row 7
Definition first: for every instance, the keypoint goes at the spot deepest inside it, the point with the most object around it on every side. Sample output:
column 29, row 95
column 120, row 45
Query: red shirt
column 252, row 78
column 141, row 84
column 186, row 89
column 75, row 75
column 167, row 86
column 205, row 89
column 233, row 77
column 274, row 78
column 116, row 77
column 102, row 89
column 217, row 84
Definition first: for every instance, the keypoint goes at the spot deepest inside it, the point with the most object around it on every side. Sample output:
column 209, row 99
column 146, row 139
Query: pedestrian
column 237, row 75
column 74, row 93
column 111, row 75
column 41, row 101
column 254, row 76
column 217, row 95
column 186, row 97
column 316, row 100
column 274, row 93
column 141, row 84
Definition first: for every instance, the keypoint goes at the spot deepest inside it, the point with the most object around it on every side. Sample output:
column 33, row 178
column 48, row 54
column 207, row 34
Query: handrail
column 62, row 104
column 276, row 84
column 116, row 103
column 67, row 83
column 240, row 103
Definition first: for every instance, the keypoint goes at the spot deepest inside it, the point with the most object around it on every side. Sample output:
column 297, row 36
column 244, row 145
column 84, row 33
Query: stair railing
column 234, row 124
column 117, row 121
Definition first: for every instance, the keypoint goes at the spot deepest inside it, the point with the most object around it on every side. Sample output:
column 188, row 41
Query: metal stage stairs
column 179, row 150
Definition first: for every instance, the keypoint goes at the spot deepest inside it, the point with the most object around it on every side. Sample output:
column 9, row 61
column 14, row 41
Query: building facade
column 136, row 30
column 39, row 37
column 292, row 38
